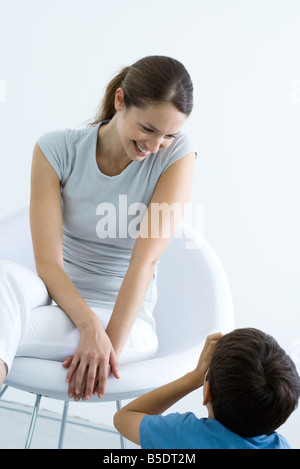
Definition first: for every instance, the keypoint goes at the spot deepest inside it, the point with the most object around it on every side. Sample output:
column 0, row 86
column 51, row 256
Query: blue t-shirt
column 186, row 431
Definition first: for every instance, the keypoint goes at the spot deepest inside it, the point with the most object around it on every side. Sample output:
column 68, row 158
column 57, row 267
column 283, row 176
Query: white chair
column 194, row 301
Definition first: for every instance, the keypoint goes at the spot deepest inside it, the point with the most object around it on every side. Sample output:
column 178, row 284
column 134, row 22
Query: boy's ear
column 206, row 393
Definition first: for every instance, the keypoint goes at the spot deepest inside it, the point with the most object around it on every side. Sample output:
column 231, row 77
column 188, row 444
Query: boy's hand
column 129, row 418
column 205, row 358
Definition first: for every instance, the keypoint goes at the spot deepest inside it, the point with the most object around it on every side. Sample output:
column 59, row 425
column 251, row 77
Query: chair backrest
column 193, row 291
column 15, row 238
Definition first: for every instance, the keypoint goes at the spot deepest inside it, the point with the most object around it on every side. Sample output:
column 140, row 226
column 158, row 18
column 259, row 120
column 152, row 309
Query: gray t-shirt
column 101, row 213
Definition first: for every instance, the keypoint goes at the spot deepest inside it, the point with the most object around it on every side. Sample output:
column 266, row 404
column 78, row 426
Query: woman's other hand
column 91, row 364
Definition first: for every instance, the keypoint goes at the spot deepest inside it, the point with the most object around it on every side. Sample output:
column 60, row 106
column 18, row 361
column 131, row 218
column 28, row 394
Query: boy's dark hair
column 254, row 383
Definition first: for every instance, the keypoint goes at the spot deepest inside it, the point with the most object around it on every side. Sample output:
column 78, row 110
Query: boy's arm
column 127, row 420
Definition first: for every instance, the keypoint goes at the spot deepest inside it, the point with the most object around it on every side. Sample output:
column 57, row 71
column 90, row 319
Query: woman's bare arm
column 173, row 190
column 94, row 350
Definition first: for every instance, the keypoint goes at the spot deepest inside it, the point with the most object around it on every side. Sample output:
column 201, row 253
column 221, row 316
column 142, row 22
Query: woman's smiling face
column 147, row 130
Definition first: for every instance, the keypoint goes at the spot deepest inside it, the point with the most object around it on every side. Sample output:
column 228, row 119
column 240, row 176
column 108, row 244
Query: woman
column 96, row 248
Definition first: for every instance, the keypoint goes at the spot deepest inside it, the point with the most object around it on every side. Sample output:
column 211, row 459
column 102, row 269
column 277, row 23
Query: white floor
column 79, row 434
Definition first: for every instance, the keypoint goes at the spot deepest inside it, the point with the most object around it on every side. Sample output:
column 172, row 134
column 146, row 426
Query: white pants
column 32, row 326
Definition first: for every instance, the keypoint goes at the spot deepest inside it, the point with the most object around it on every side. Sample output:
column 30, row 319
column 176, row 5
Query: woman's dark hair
column 254, row 383
column 150, row 80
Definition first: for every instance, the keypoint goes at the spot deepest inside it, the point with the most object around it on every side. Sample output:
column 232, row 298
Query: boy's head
column 254, row 384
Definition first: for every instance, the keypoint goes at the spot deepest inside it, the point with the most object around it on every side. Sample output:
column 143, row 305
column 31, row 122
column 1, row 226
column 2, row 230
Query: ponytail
column 107, row 108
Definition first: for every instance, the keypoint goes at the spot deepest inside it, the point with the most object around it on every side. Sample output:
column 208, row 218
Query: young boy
column 250, row 387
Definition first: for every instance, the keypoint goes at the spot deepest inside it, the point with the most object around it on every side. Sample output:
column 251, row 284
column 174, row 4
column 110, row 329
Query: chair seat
column 48, row 378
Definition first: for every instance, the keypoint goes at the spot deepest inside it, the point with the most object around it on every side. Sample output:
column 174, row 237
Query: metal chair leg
column 3, row 390
column 33, row 421
column 63, row 422
column 122, row 439
column 63, row 425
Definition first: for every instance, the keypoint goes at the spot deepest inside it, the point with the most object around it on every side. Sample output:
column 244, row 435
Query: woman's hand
column 92, row 363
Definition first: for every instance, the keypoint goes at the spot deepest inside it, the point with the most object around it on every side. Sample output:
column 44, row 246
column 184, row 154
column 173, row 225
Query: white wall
column 57, row 56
